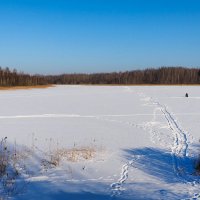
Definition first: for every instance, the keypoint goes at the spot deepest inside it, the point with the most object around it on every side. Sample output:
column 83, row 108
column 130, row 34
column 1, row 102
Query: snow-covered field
column 100, row 142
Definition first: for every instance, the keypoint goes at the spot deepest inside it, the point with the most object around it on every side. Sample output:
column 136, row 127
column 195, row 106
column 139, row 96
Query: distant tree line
column 163, row 75
column 13, row 78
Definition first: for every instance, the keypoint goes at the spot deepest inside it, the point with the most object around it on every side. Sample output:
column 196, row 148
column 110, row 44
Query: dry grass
column 76, row 154
column 16, row 161
column 47, row 86
column 25, row 87
column 8, row 171
column 71, row 155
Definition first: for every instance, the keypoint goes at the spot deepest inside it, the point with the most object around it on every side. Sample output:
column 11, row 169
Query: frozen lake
column 142, row 141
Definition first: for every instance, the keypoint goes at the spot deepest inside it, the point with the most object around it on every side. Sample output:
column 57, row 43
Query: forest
column 162, row 75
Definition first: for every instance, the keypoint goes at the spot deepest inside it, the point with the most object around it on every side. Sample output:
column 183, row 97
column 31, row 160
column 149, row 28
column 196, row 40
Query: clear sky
column 56, row 36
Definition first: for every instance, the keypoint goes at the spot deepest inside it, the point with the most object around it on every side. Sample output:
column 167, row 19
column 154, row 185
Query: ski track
column 180, row 144
column 179, row 148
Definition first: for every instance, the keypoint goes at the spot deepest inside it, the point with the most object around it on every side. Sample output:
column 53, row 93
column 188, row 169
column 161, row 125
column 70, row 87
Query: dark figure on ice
column 186, row 95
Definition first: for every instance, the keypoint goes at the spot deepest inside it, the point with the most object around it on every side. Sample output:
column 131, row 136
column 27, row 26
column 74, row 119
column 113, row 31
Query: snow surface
column 145, row 141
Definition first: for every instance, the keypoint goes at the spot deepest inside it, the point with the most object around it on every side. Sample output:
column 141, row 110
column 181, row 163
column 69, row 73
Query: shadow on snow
column 162, row 165
column 152, row 161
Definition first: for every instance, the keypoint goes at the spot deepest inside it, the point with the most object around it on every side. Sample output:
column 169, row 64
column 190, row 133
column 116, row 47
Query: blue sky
column 56, row 36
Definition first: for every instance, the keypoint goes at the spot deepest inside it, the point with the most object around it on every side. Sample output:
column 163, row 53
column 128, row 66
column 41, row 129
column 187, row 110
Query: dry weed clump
column 76, row 154
column 9, row 171
column 53, row 162
column 54, row 157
